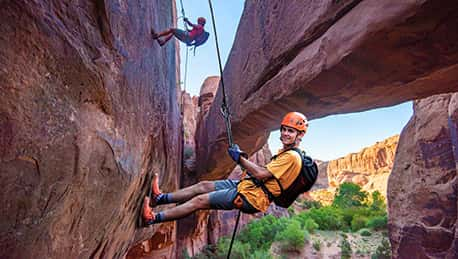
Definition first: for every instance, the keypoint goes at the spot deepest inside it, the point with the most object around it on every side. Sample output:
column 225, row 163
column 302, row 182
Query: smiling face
column 290, row 136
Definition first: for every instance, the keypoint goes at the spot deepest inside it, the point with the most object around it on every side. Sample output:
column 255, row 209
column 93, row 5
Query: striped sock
column 158, row 218
column 164, row 198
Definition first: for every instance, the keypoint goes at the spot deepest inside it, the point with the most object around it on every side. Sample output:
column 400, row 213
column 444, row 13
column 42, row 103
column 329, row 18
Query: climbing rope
column 183, row 14
column 224, row 108
column 225, row 112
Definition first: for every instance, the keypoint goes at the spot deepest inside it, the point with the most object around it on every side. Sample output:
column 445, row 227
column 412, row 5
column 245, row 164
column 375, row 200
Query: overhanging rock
column 328, row 57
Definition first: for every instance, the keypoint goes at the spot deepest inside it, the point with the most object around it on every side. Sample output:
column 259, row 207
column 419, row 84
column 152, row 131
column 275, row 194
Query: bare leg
column 199, row 202
column 165, row 33
column 187, row 193
column 165, row 40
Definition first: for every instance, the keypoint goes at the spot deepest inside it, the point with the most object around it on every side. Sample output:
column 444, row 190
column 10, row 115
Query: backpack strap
column 310, row 174
column 261, row 184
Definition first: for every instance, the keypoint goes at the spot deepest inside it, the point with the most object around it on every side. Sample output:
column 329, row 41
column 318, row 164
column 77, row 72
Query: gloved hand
column 235, row 153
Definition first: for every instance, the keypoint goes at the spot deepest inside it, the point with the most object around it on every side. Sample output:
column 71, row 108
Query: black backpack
column 303, row 182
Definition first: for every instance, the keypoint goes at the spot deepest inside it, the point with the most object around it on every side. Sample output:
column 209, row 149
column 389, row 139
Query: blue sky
column 327, row 138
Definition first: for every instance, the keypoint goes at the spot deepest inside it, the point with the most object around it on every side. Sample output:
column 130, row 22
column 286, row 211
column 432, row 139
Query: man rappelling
column 194, row 37
column 282, row 180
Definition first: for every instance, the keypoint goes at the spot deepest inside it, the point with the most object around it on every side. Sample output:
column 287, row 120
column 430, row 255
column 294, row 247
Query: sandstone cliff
column 368, row 168
column 423, row 187
column 88, row 111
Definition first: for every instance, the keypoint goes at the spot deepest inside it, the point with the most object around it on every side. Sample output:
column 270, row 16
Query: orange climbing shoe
column 147, row 212
column 155, row 191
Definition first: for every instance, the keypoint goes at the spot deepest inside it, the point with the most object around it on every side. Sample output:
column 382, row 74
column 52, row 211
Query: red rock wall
column 423, row 187
column 88, row 111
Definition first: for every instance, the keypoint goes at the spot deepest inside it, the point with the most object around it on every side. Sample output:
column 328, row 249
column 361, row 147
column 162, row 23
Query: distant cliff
column 369, row 168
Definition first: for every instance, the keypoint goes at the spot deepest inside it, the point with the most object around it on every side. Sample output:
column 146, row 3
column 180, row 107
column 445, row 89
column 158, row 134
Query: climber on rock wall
column 247, row 195
column 194, row 37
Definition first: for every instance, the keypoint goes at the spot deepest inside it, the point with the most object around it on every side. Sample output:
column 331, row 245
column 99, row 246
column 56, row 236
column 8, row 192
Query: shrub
column 261, row 233
column 291, row 211
column 327, row 218
column 292, row 237
column 345, row 249
column 309, row 204
column 365, row 232
column 260, row 254
column 310, row 225
column 317, row 245
column 307, row 222
column 383, row 250
column 239, row 249
column 358, row 222
column 378, row 223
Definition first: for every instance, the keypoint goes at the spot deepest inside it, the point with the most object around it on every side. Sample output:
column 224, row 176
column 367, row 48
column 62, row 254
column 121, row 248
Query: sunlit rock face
column 327, row 57
column 190, row 116
column 88, row 112
column 368, row 168
column 422, row 189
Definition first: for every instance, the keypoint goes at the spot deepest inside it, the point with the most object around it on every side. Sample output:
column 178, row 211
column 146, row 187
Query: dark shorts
column 182, row 35
column 225, row 193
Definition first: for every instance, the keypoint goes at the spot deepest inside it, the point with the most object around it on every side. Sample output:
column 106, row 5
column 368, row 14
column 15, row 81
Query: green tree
column 378, row 223
column 349, row 195
column 292, row 237
column 378, row 202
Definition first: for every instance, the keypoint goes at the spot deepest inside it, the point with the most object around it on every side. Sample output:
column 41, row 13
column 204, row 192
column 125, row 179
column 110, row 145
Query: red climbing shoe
column 161, row 42
column 147, row 212
column 155, row 191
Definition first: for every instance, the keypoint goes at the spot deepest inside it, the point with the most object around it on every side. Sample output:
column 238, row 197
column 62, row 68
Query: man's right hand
column 235, row 153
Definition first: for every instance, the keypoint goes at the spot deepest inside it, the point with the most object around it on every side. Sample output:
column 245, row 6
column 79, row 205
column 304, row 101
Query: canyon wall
column 88, row 111
column 422, row 188
column 369, row 168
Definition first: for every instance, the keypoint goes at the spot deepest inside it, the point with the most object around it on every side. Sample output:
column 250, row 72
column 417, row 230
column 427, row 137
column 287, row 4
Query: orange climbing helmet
column 295, row 120
column 201, row 20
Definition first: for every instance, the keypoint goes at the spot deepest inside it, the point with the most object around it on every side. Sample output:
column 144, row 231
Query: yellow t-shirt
column 285, row 168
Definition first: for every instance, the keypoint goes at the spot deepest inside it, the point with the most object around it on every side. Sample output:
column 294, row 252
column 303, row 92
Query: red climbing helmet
column 201, row 20
column 295, row 120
